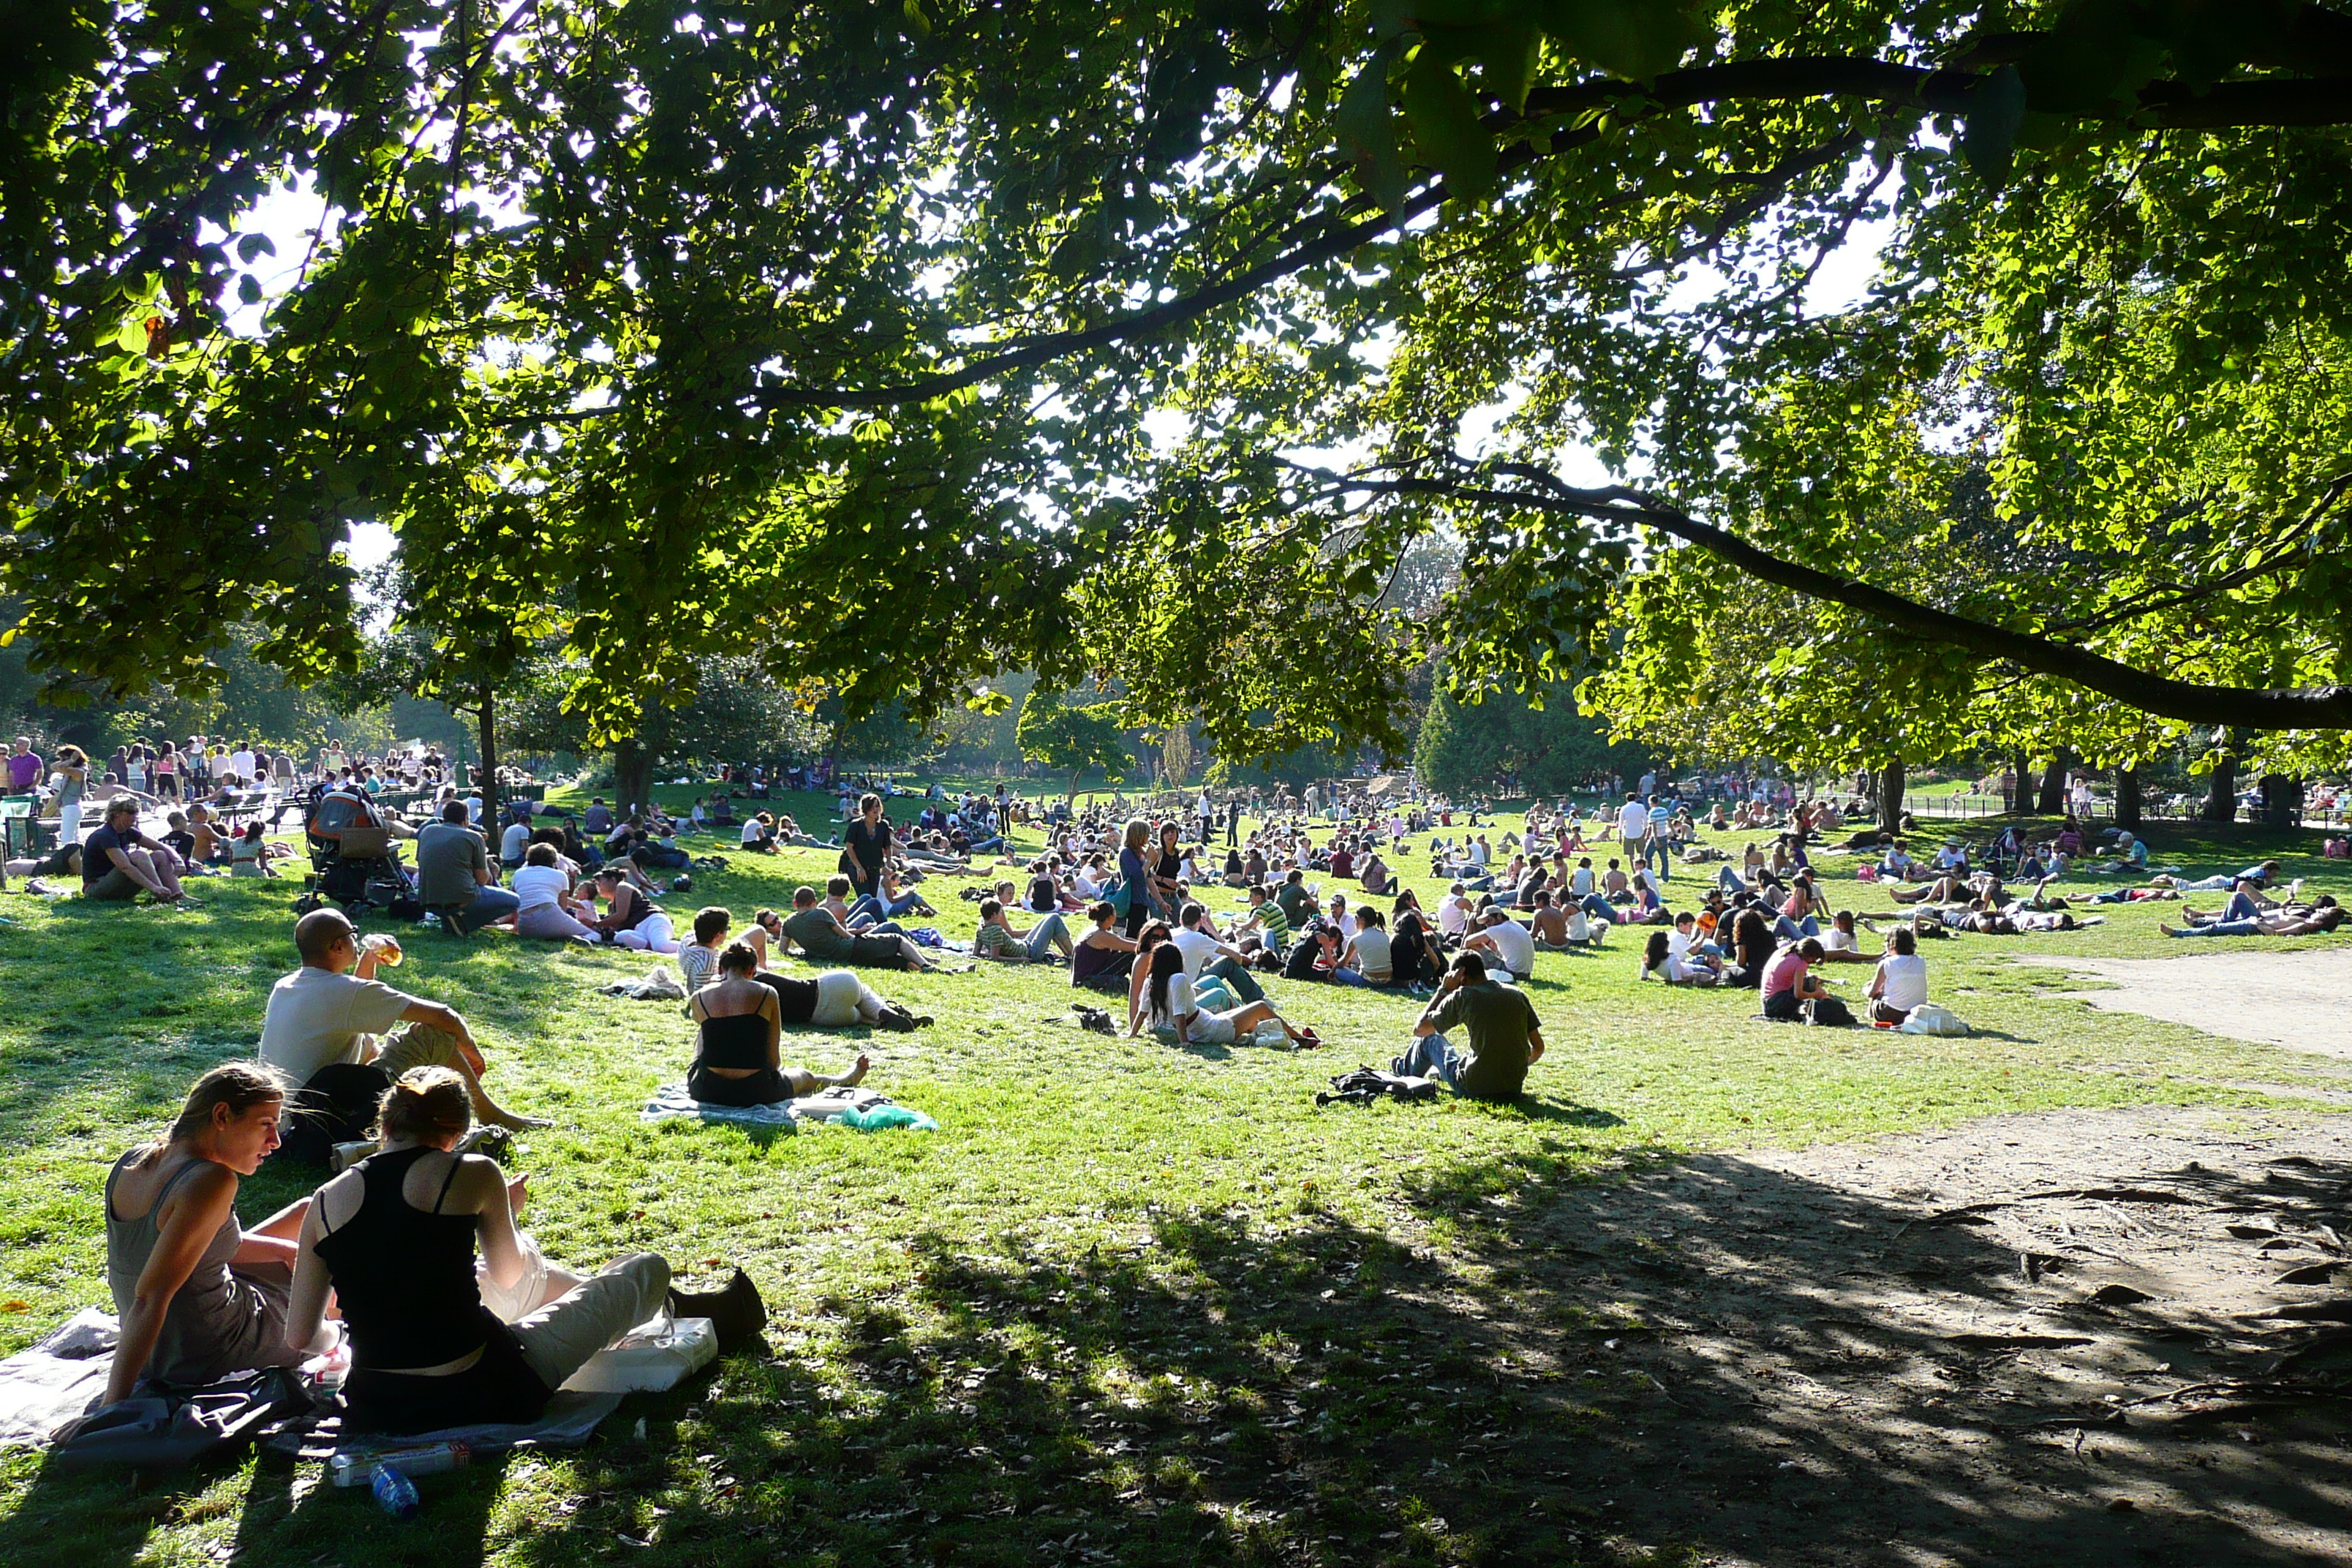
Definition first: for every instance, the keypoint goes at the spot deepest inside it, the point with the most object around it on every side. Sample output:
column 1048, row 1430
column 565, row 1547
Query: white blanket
column 671, row 1101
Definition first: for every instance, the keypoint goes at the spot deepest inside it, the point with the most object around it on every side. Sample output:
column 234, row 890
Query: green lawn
column 1131, row 1303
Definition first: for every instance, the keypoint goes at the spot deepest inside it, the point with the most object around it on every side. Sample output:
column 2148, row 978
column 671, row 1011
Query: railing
column 1960, row 805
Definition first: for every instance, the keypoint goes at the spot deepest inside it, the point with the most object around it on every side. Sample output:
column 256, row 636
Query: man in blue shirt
column 1656, row 850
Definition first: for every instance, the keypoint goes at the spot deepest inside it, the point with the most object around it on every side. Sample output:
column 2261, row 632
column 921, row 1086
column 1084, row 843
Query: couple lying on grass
column 412, row 1258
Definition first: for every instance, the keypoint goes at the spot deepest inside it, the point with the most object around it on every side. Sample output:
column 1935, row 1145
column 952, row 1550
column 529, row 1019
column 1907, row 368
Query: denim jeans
column 1599, row 909
column 1730, row 881
column 1238, row 980
column 1786, row 929
column 1659, row 854
column 1431, row 1057
column 2221, row 927
column 490, row 905
column 1043, row 935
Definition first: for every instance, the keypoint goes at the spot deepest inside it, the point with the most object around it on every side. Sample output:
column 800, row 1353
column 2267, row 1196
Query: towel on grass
column 662, row 984
column 671, row 1102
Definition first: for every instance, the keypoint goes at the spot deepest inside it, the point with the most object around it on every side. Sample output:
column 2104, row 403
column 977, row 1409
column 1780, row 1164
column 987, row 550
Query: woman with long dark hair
column 1170, row 1005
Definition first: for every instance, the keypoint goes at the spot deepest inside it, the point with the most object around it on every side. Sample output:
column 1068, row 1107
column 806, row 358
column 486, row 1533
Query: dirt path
column 2292, row 999
column 2053, row 1337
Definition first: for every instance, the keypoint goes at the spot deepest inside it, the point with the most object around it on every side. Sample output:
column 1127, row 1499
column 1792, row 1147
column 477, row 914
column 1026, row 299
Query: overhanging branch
column 2292, row 708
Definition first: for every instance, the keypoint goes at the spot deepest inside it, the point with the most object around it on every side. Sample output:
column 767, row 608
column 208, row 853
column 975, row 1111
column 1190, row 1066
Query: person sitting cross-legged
column 394, row 1238
column 1506, row 1039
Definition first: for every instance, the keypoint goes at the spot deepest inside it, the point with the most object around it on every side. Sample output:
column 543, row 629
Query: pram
column 354, row 861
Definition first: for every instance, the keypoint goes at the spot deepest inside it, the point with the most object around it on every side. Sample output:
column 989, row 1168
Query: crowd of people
column 411, row 1264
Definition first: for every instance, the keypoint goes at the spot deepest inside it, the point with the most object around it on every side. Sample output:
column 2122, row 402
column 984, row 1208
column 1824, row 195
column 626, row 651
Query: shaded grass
column 1129, row 1303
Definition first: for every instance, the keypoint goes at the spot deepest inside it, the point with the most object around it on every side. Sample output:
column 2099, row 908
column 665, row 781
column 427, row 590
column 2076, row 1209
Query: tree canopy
column 849, row 340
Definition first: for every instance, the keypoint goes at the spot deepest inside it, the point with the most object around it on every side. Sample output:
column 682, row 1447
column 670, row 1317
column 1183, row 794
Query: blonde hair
column 425, row 1104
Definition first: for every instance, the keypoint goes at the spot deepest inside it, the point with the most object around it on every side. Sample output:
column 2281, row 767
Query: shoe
column 737, row 1313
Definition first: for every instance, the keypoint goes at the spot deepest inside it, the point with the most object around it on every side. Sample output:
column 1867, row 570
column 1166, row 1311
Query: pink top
column 1788, row 967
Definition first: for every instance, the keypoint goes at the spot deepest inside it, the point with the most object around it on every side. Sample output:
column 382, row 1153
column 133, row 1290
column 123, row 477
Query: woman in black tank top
column 394, row 1239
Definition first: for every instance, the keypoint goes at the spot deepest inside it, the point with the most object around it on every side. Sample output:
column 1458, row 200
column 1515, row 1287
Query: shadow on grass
column 1560, row 1370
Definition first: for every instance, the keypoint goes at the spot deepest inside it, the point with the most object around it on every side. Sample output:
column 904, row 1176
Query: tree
column 1468, row 749
column 797, row 306
column 1077, row 739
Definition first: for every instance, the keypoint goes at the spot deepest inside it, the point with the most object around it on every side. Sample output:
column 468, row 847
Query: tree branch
column 2308, row 707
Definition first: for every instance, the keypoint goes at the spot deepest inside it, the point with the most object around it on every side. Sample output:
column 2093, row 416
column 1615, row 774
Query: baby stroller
column 353, row 861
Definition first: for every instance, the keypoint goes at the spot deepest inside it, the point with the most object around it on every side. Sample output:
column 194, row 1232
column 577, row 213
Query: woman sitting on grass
column 1688, row 967
column 1172, row 1008
column 200, row 1297
column 1102, row 957
column 837, row 999
column 395, row 1238
column 1901, row 981
column 738, row 1051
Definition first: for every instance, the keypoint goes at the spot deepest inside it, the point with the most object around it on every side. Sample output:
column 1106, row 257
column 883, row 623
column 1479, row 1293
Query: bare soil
column 2102, row 1337
column 2292, row 999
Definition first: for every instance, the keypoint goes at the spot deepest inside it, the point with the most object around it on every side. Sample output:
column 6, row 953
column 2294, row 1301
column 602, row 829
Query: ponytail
column 425, row 1104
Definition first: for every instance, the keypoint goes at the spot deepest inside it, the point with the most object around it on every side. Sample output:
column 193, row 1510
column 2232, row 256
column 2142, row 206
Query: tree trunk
column 2281, row 800
column 2053, row 786
column 1890, row 794
column 2222, row 785
column 2021, row 784
column 486, row 718
column 633, row 775
column 2127, row 801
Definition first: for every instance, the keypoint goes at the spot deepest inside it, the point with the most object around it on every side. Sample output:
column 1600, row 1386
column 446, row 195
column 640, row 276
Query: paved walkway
column 2299, row 1000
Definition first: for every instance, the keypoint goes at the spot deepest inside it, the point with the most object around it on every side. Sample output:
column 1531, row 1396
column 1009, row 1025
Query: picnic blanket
column 56, row 1380
column 672, row 1101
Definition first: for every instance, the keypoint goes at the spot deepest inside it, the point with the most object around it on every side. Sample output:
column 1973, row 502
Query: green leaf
column 248, row 288
column 1444, row 119
column 1364, row 123
column 254, row 245
column 1996, row 110
column 1635, row 40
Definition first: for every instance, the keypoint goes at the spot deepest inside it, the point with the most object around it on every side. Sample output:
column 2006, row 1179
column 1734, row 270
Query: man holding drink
column 322, row 1027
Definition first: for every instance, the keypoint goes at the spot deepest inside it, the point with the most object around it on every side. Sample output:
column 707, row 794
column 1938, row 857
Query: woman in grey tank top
column 200, row 1295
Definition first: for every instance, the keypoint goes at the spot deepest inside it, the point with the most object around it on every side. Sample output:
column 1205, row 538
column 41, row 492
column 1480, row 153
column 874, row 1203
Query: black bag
column 1829, row 1013
column 337, row 1106
column 737, row 1313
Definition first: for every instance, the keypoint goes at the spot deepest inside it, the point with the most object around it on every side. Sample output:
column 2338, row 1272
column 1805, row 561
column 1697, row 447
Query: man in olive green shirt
column 1297, row 902
column 1506, row 1039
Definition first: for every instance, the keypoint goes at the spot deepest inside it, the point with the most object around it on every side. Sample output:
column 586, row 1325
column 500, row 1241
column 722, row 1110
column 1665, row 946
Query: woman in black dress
column 865, row 847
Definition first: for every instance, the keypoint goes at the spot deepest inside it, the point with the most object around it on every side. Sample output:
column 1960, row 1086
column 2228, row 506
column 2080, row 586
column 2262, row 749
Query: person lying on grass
column 1504, row 1038
column 1172, row 1010
column 329, row 1012
column 739, row 1044
column 1690, row 966
column 837, row 999
column 394, row 1239
column 2322, row 915
column 200, row 1297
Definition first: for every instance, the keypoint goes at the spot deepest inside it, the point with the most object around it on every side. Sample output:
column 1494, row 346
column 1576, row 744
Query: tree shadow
column 1543, row 1368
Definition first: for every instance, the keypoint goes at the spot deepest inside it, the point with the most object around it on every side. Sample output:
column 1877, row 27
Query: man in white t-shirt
column 242, row 763
column 514, row 840
column 329, row 1012
column 1205, row 954
column 1504, row 943
column 1632, row 821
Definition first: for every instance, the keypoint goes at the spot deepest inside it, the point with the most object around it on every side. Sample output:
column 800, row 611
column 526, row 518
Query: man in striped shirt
column 1268, row 922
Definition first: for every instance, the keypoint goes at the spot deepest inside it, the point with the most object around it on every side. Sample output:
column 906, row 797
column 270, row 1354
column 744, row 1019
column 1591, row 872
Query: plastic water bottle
column 394, row 1492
